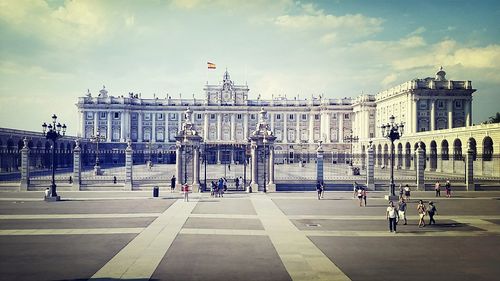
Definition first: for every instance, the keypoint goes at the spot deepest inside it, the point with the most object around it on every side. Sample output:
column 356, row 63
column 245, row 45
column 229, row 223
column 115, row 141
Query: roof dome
column 441, row 75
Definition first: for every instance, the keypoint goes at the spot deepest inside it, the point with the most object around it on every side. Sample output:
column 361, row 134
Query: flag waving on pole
column 211, row 65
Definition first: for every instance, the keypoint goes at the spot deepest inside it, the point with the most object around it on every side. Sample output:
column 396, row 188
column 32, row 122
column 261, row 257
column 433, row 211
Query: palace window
column 316, row 117
column 159, row 116
column 212, row 116
column 252, row 116
column 304, row 117
column 346, row 116
column 147, row 116
column 334, row 115
column 458, row 104
column 102, row 115
column 290, row 116
column 278, row 116
column 440, row 104
column 90, row 115
column 238, row 116
column 198, row 116
column 116, row 115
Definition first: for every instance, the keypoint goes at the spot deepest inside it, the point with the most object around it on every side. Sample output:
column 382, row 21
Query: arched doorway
column 457, row 150
column 408, row 155
column 444, row 150
column 433, row 156
column 487, row 149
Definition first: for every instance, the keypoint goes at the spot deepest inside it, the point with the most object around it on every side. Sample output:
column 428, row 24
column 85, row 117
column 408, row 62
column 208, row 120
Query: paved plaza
column 277, row 236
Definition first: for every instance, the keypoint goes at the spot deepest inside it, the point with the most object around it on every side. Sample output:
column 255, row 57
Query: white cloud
column 389, row 79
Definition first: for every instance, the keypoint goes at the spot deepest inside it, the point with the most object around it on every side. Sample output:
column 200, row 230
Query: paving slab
column 221, row 257
column 62, row 257
column 225, row 205
column 75, row 223
column 414, row 258
column 86, row 207
column 223, row 223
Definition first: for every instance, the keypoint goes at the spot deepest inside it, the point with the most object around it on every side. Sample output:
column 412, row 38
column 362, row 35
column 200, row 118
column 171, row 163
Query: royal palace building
column 430, row 108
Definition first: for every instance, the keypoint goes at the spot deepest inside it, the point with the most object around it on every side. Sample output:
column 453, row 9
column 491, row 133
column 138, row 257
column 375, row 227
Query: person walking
column 421, row 210
column 448, row 188
column 185, row 190
column 402, row 210
column 364, row 194
column 220, row 188
column 322, row 189
column 432, row 211
column 437, row 188
column 172, row 183
column 47, row 192
column 318, row 189
column 390, row 214
column 237, row 183
column 401, row 191
column 360, row 196
column 407, row 192
column 355, row 189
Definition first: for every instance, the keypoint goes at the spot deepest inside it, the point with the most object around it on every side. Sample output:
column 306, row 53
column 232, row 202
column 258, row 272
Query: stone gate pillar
column 319, row 162
column 370, row 168
column 271, row 187
column 77, row 166
column 196, row 168
column 129, row 184
column 420, row 162
column 178, row 166
column 25, row 166
column 469, row 168
column 253, row 185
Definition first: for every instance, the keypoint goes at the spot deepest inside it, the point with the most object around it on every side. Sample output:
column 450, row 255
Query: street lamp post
column 351, row 138
column 97, row 138
column 392, row 131
column 53, row 133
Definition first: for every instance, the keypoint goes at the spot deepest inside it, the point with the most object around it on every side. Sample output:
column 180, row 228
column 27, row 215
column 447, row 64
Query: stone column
column 153, row 127
column 285, row 129
column 254, row 184
column 128, row 166
column 319, row 163
column 370, row 168
column 245, row 125
column 341, row 127
column 311, row 128
column 450, row 114
column 468, row 114
column 77, row 166
column 179, row 122
column 297, row 129
column 233, row 127
column 271, row 117
column 83, row 120
column 271, row 186
column 25, row 166
column 139, row 127
column 327, row 127
column 419, row 153
column 219, row 126
column 96, row 122
column 469, row 168
column 196, row 168
column 178, row 166
column 122, row 126
column 432, row 120
column 205, row 126
column 109, row 127
column 414, row 116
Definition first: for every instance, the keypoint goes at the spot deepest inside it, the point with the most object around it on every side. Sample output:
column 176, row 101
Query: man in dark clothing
column 432, row 211
column 172, row 184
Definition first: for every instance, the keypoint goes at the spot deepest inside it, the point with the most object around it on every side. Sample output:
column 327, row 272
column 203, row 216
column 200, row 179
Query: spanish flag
column 211, row 65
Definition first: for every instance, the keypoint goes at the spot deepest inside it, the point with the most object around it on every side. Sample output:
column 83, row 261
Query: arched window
column 457, row 150
column 444, row 150
column 487, row 149
column 473, row 146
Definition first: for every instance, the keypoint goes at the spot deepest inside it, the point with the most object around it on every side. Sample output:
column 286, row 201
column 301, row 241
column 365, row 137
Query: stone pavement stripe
column 480, row 223
column 223, row 216
column 301, row 258
column 399, row 234
column 77, row 216
column 382, row 217
column 336, row 197
column 139, row 259
column 78, row 231
column 205, row 231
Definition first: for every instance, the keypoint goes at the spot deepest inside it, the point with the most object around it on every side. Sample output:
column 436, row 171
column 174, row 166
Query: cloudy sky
column 51, row 52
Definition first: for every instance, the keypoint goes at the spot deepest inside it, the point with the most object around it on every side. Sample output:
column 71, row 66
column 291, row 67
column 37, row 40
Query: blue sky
column 51, row 52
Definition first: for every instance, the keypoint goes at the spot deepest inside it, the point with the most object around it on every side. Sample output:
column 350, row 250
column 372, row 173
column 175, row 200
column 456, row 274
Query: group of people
column 404, row 192
column 447, row 186
column 394, row 214
column 218, row 188
column 360, row 193
column 320, row 188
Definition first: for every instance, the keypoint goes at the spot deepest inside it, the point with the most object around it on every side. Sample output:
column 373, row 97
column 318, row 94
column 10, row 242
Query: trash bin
column 156, row 191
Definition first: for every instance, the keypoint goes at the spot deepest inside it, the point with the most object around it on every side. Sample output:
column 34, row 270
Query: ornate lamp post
column 97, row 138
column 392, row 131
column 53, row 133
column 350, row 139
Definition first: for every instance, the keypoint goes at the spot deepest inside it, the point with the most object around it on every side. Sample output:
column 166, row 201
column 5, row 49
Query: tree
column 495, row 119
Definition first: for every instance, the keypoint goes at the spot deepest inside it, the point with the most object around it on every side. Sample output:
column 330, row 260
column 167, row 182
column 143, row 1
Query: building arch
column 400, row 155
column 473, row 146
column 445, row 150
column 457, row 149
column 408, row 155
column 379, row 155
column 387, row 155
column 433, row 155
column 487, row 149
